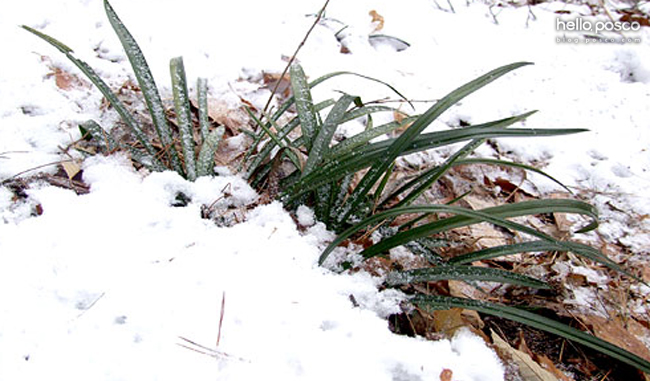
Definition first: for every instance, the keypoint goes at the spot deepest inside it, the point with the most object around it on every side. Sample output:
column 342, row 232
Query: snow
column 104, row 285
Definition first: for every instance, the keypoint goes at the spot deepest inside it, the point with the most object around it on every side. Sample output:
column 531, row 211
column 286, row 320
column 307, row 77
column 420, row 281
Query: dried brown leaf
column 71, row 168
column 614, row 331
column 377, row 21
column 446, row 375
column 529, row 370
column 448, row 321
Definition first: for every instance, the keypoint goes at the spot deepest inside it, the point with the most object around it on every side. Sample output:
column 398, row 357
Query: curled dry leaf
column 619, row 334
column 529, row 370
column 377, row 21
column 71, row 168
column 63, row 79
column 446, row 375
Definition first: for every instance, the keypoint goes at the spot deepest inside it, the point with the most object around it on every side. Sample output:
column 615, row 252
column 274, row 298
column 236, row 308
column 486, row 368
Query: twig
column 223, row 307
column 319, row 16
column 196, row 347
column 91, row 305
column 34, row 169
column 493, row 15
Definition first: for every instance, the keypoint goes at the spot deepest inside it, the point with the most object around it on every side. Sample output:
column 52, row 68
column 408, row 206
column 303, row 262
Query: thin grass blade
column 109, row 144
column 435, row 302
column 503, row 250
column 205, row 163
column 147, row 85
column 496, row 215
column 363, row 157
column 463, row 273
column 402, row 143
column 429, row 177
column 289, row 102
column 348, row 145
column 202, row 98
column 320, row 146
column 504, row 163
column 103, row 138
column 126, row 116
column 276, row 139
column 183, row 115
column 463, row 217
column 304, row 105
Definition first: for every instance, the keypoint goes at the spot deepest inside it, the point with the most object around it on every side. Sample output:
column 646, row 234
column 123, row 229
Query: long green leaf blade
column 336, row 167
column 205, row 163
column 276, row 139
column 431, row 176
column 402, row 143
column 503, row 250
column 183, row 115
column 320, row 146
column 202, row 98
column 463, row 217
column 283, row 132
column 436, row 302
column 496, row 215
column 463, row 273
column 106, row 141
column 347, row 145
column 511, row 164
column 428, row 179
column 304, row 105
column 126, row 116
column 147, row 85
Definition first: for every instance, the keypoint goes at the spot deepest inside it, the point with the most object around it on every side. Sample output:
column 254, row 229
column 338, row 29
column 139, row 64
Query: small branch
column 223, row 307
column 293, row 57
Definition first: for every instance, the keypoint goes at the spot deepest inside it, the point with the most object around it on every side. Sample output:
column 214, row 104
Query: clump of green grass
column 346, row 184
column 161, row 152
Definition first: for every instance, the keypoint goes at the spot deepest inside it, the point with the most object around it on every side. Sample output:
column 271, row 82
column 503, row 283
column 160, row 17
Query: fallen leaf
column 547, row 364
column 377, row 21
column 614, row 331
column 461, row 289
column 448, row 321
column 542, row 360
column 529, row 370
column 62, row 79
column 274, row 79
column 446, row 375
column 71, row 168
column 635, row 16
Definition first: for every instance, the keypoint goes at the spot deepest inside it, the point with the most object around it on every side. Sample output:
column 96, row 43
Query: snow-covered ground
column 104, row 286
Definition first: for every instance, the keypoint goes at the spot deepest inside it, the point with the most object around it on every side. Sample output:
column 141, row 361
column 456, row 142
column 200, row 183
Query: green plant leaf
column 107, row 143
column 463, row 273
column 401, row 144
column 103, row 138
column 304, row 105
column 126, row 116
column 202, row 98
column 463, row 217
column 504, row 163
column 503, row 250
column 496, row 215
column 289, row 102
column 183, row 115
column 426, row 179
column 349, row 144
column 147, row 85
column 358, row 159
column 276, row 139
column 320, row 146
column 436, row 302
column 205, row 163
